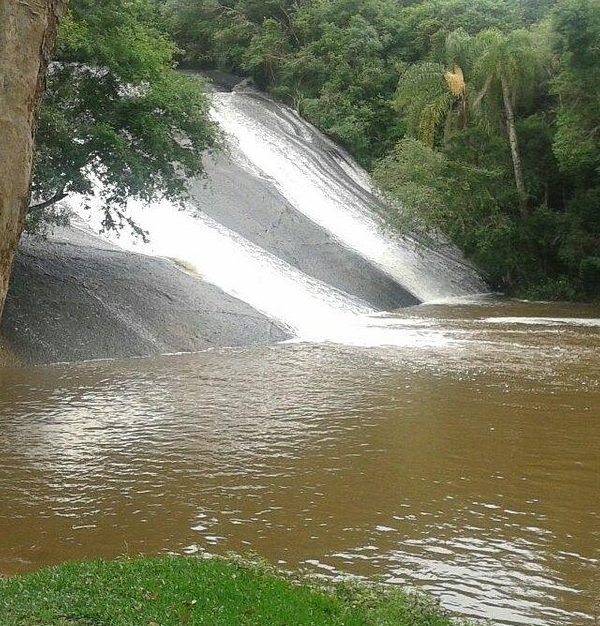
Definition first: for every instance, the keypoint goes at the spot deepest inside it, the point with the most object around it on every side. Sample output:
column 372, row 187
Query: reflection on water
column 469, row 467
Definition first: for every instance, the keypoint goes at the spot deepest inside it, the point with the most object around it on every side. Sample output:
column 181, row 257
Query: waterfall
column 323, row 182
column 323, row 186
column 309, row 308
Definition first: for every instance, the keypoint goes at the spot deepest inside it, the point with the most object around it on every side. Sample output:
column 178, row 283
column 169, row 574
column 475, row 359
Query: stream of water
column 462, row 458
column 452, row 446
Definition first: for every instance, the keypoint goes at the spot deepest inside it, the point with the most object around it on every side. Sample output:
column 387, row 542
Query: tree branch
column 57, row 197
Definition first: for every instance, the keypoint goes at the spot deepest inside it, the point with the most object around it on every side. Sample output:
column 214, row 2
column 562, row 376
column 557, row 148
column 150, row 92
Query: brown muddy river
column 464, row 460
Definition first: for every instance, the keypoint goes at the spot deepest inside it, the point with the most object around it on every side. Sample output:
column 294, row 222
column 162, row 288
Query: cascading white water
column 308, row 307
column 312, row 310
column 323, row 183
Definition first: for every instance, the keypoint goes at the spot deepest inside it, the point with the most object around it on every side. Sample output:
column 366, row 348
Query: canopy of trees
column 481, row 117
column 117, row 120
column 478, row 118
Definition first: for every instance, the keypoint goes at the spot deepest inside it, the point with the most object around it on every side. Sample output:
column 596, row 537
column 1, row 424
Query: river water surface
column 453, row 447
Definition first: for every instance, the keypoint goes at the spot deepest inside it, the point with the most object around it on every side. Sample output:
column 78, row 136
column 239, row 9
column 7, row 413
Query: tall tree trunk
column 514, row 148
column 27, row 35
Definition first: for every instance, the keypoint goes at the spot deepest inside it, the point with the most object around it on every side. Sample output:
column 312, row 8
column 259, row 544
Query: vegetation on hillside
column 177, row 591
column 481, row 117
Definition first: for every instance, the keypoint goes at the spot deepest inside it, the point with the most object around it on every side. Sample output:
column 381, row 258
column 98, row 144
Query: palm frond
column 459, row 47
column 432, row 116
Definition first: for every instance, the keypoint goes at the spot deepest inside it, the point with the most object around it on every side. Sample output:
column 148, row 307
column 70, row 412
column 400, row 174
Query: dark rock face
column 76, row 297
column 255, row 209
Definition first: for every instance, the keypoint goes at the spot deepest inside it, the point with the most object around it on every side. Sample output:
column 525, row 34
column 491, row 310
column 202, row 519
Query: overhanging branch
column 57, row 197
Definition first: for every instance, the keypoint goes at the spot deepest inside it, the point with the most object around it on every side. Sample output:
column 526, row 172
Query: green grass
column 192, row 592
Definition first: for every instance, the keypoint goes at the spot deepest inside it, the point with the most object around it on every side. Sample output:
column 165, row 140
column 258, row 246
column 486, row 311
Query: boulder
column 76, row 297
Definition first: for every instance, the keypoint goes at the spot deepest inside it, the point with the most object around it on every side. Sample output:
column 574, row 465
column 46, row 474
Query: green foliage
column 215, row 592
column 116, row 117
column 480, row 117
column 577, row 143
column 426, row 24
column 342, row 71
column 499, row 57
column 545, row 245
column 337, row 61
column 425, row 100
column 266, row 53
column 437, row 194
column 577, row 136
column 532, row 11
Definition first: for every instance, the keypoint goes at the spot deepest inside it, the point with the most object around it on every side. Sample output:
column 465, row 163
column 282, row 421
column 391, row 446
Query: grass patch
column 178, row 591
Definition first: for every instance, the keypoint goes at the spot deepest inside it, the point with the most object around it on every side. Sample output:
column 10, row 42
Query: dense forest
column 480, row 118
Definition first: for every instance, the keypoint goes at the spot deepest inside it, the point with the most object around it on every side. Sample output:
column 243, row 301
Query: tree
column 27, row 34
column 431, row 93
column 118, row 121
column 431, row 193
column 478, row 73
column 462, row 103
column 506, row 66
column 336, row 61
column 577, row 142
column 577, row 139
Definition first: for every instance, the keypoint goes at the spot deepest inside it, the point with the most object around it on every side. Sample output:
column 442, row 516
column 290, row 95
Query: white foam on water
column 308, row 307
column 544, row 321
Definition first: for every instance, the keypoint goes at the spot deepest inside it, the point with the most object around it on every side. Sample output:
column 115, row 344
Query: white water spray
column 310, row 309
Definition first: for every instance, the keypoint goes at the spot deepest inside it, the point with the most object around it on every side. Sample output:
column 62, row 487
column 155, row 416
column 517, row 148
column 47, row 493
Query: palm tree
column 432, row 93
column 506, row 67
column 502, row 70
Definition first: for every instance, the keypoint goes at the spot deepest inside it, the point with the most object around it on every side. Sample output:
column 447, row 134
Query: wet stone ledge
column 75, row 297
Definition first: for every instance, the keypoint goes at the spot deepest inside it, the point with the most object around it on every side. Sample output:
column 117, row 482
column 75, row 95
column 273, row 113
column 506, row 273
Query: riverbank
column 173, row 591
